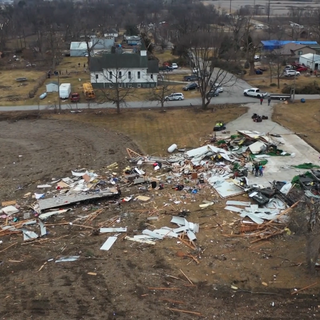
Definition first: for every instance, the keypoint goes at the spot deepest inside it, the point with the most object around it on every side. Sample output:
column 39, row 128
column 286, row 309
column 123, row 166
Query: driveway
column 280, row 167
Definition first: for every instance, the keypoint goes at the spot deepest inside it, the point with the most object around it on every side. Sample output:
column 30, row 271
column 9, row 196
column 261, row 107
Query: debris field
column 118, row 234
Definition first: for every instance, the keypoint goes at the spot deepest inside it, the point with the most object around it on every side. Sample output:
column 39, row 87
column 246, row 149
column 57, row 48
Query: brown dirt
column 120, row 288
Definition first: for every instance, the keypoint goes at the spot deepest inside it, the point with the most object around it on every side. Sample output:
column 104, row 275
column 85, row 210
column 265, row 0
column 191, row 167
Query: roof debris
column 163, row 186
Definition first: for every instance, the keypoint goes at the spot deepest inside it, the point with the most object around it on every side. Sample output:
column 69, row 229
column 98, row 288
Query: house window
column 139, row 74
column 120, row 74
column 97, row 76
column 129, row 74
column 151, row 76
column 110, row 75
column 299, row 53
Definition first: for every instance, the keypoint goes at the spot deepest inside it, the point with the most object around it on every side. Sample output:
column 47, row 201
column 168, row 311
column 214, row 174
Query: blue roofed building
column 270, row 45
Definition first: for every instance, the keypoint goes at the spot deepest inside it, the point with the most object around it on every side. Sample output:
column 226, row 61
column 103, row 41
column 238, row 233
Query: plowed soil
column 227, row 276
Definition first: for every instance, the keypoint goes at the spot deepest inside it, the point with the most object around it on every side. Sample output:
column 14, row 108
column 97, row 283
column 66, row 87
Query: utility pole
column 59, row 100
column 269, row 8
column 230, row 7
column 294, row 88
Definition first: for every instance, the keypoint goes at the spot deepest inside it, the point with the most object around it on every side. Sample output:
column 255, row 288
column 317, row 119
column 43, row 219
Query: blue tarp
column 276, row 44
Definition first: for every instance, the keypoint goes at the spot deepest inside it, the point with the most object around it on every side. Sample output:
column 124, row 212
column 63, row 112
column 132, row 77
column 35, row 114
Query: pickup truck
column 254, row 92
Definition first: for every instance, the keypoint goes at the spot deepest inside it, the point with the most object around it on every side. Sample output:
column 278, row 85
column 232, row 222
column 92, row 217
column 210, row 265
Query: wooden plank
column 133, row 154
column 186, row 276
column 186, row 311
column 8, row 203
column 11, row 245
column 304, row 288
column 163, row 288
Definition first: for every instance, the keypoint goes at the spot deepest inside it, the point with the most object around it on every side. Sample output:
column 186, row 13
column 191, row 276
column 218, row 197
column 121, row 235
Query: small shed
column 52, row 86
column 310, row 60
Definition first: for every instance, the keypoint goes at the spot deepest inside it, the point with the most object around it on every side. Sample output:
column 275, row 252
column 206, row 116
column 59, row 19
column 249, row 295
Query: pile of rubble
column 218, row 169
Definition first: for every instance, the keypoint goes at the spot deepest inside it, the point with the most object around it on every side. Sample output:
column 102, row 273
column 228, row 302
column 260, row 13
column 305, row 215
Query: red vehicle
column 301, row 68
column 75, row 97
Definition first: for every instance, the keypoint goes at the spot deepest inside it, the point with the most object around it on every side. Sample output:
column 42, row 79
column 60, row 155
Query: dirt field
column 235, row 279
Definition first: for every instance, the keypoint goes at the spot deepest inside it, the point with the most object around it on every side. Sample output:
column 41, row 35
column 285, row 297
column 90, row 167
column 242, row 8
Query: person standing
column 253, row 169
column 269, row 100
column 256, row 169
column 261, row 100
column 260, row 170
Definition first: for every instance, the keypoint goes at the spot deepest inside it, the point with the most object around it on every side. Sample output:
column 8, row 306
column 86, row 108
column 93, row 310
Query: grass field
column 165, row 56
column 13, row 91
column 301, row 118
column 155, row 131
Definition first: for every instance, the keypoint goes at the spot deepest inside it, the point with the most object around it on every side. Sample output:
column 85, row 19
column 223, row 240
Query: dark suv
column 213, row 93
column 190, row 86
column 192, row 77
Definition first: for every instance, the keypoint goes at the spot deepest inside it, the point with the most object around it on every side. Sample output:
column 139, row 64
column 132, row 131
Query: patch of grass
column 165, row 56
column 301, row 118
column 155, row 131
column 12, row 91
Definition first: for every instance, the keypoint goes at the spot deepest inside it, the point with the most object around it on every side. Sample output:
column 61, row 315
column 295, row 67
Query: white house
column 80, row 49
column 310, row 60
column 124, row 69
column 112, row 33
column 52, row 86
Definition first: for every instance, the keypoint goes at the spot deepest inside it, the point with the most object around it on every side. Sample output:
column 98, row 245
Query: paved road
column 227, row 97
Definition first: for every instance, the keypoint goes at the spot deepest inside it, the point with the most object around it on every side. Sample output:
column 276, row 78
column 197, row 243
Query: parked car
column 288, row 67
column 195, row 70
column 190, row 86
column 217, row 87
column 75, row 97
column 174, row 66
column 174, row 97
column 291, row 73
column 301, row 69
column 192, row 77
column 200, row 73
column 165, row 68
column 213, row 93
column 258, row 71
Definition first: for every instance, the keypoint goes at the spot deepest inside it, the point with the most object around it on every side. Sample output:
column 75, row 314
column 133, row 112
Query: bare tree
column 115, row 91
column 115, row 84
column 275, row 62
column 250, row 45
column 160, row 92
column 203, row 53
column 306, row 216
